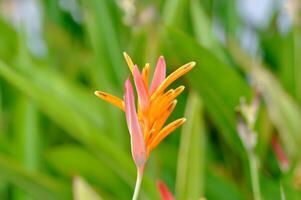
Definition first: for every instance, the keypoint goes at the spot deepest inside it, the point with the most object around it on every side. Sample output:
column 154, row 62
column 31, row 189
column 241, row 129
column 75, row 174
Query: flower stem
column 140, row 171
column 254, row 176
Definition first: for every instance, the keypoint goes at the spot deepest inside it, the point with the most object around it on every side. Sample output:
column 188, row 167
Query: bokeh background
column 58, row 141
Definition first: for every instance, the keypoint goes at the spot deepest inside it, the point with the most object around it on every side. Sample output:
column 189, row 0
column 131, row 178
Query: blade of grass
column 175, row 13
column 109, row 71
column 71, row 160
column 203, row 30
column 220, row 187
column 38, row 185
column 7, row 41
column 104, row 39
column 273, row 191
column 297, row 62
column 190, row 170
column 282, row 53
column 27, row 138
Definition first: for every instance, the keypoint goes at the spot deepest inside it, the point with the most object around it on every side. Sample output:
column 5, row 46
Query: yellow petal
column 158, row 124
column 164, row 132
column 129, row 61
column 172, row 77
column 148, row 135
column 163, row 101
column 157, row 105
column 145, row 74
column 164, row 96
column 111, row 99
column 178, row 91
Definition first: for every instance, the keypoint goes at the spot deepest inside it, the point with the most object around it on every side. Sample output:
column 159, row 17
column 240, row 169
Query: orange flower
column 154, row 105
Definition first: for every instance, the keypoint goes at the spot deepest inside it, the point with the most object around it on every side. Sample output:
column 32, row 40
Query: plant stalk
column 140, row 171
column 254, row 176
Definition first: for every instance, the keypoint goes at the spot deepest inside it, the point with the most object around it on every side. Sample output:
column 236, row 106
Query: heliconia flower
column 146, row 123
column 154, row 106
column 164, row 191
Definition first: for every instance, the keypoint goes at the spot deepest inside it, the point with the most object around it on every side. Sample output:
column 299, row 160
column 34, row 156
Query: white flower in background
column 135, row 17
column 129, row 9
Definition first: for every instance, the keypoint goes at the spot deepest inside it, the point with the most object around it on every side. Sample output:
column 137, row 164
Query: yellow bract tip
column 98, row 93
column 192, row 63
column 128, row 61
column 111, row 99
column 145, row 74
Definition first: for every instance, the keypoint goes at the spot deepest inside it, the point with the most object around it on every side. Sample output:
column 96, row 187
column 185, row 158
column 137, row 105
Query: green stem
column 282, row 192
column 254, row 176
column 138, row 182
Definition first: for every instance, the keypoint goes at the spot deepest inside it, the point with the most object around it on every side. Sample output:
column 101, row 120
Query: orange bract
column 154, row 107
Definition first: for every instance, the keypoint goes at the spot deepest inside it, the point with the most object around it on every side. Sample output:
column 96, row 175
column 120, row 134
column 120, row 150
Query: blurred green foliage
column 54, row 130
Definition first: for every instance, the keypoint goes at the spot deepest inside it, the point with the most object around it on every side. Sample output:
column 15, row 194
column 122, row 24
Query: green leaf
column 38, row 185
column 54, row 102
column 8, row 41
column 203, row 30
column 190, row 170
column 109, row 70
column 220, row 187
column 220, row 95
column 26, row 137
column 282, row 53
column 72, row 160
column 175, row 12
column 105, row 42
column 297, row 62
column 201, row 24
column 275, row 190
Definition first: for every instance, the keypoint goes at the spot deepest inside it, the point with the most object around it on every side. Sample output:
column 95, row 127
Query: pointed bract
column 110, row 98
column 137, row 140
column 154, row 106
column 141, row 89
column 159, row 74
column 128, row 61
column 172, row 77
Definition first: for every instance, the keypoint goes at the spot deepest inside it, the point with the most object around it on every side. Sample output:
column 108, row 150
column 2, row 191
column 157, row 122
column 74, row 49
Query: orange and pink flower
column 146, row 122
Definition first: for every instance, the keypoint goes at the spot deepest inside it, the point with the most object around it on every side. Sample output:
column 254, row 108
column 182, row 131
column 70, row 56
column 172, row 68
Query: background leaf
column 37, row 185
column 191, row 160
column 212, row 86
